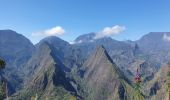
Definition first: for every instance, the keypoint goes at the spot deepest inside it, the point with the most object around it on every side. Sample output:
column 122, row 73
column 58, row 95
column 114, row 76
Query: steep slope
column 56, row 47
column 156, row 46
column 15, row 49
column 48, row 78
column 63, row 50
column 59, row 45
column 40, row 58
column 68, row 54
column 104, row 79
column 56, row 42
column 158, row 88
column 112, row 46
column 150, row 41
column 85, row 38
column 122, row 53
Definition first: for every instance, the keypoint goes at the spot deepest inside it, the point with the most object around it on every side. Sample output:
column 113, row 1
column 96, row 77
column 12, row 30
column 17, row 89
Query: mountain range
column 87, row 69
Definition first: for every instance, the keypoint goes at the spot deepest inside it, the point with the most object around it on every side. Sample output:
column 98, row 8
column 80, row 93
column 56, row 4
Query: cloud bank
column 73, row 42
column 55, row 31
column 110, row 31
column 166, row 37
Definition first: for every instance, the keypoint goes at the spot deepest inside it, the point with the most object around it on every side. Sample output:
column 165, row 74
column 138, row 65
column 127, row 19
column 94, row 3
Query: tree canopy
column 2, row 64
column 2, row 85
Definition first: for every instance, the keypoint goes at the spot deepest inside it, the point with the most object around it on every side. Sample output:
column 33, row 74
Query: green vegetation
column 3, row 82
column 168, row 80
column 2, row 91
column 50, row 91
column 137, row 95
column 2, row 64
column 58, row 93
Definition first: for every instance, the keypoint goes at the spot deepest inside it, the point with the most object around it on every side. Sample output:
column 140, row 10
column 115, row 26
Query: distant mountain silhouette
column 87, row 69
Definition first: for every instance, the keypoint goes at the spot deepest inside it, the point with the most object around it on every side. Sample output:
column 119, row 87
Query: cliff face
column 158, row 88
column 15, row 49
column 103, row 78
column 47, row 80
column 55, row 68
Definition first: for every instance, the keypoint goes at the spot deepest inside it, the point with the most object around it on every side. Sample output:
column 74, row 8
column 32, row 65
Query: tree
column 35, row 97
column 3, row 84
column 72, row 98
column 168, row 80
column 137, row 91
column 2, row 64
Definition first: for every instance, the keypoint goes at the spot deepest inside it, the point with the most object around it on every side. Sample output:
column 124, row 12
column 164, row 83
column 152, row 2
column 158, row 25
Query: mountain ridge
column 52, row 53
column 47, row 78
column 101, row 73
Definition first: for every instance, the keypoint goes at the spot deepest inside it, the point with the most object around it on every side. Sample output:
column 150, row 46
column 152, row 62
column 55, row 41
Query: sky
column 67, row 19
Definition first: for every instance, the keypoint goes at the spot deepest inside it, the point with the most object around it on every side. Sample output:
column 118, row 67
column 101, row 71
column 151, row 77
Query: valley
column 93, row 69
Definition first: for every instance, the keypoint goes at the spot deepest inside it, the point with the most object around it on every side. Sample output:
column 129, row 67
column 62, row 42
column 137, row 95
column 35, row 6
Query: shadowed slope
column 104, row 78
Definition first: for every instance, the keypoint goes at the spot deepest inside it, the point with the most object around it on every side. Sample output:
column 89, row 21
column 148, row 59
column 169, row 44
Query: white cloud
column 78, row 42
column 110, row 31
column 72, row 42
column 166, row 37
column 55, row 31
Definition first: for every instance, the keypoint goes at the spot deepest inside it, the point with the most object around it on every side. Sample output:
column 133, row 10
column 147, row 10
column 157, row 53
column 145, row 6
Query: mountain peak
column 100, row 48
column 53, row 40
column 46, row 72
column 85, row 37
column 100, row 58
column 155, row 40
column 154, row 36
column 101, row 73
column 7, row 30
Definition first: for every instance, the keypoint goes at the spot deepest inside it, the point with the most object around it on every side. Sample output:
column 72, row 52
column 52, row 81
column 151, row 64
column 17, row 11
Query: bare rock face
column 155, row 46
column 50, row 67
column 104, row 78
column 46, row 76
column 157, row 88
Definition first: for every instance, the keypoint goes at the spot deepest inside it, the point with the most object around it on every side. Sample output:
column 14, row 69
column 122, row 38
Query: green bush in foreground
column 137, row 95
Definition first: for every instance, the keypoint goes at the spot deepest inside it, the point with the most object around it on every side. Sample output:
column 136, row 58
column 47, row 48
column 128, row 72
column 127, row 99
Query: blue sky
column 78, row 17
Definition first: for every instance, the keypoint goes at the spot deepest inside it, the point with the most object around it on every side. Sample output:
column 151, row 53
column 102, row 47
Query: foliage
column 2, row 90
column 72, row 98
column 58, row 93
column 34, row 97
column 2, row 84
column 2, row 64
column 168, row 80
column 137, row 95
